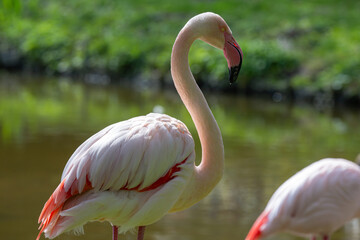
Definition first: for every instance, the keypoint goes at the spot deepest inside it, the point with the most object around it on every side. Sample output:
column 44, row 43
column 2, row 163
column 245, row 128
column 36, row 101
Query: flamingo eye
column 222, row 29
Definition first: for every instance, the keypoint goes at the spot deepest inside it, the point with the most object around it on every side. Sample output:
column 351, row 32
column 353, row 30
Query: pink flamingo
column 316, row 201
column 134, row 172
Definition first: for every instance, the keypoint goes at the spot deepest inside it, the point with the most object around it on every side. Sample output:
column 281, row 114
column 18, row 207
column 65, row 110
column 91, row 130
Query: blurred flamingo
column 134, row 172
column 316, row 201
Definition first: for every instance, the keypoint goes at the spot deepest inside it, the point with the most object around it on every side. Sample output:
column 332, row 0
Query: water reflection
column 43, row 121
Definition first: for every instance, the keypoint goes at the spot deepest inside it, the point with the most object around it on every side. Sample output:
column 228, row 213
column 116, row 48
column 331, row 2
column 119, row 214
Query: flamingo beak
column 233, row 55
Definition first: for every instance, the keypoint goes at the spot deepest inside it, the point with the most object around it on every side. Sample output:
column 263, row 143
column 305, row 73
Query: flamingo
column 314, row 202
column 133, row 172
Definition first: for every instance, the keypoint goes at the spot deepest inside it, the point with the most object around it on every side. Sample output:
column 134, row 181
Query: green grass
column 307, row 46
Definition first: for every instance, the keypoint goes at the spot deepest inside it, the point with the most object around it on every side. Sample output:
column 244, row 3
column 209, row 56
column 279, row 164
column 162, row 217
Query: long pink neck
column 210, row 170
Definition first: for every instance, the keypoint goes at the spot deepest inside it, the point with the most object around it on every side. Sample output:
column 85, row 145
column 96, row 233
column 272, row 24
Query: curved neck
column 210, row 170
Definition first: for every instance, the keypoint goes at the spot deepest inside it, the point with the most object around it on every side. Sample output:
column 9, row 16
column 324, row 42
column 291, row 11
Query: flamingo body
column 316, row 201
column 134, row 172
column 120, row 168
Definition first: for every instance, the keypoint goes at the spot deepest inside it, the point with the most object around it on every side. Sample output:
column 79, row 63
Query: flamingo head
column 213, row 30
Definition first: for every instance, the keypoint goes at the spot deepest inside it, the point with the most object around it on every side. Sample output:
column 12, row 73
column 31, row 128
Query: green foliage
column 312, row 45
column 13, row 7
column 268, row 65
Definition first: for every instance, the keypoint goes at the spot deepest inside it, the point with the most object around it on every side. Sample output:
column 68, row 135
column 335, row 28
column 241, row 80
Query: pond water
column 43, row 121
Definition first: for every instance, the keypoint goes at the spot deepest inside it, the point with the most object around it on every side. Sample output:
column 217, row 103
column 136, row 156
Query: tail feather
column 50, row 221
column 52, row 208
column 255, row 231
column 55, row 201
column 50, row 213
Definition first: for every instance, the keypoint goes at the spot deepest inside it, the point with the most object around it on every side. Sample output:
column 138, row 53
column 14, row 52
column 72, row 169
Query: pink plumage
column 134, row 172
column 316, row 201
column 96, row 180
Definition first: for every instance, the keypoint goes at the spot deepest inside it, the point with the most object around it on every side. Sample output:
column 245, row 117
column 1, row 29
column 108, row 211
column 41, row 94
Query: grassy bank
column 303, row 47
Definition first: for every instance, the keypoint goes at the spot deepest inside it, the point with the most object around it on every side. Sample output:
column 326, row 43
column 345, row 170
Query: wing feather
column 133, row 153
column 324, row 193
column 141, row 154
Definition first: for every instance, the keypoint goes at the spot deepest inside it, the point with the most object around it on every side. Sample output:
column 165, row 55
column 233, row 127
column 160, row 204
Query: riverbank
column 300, row 50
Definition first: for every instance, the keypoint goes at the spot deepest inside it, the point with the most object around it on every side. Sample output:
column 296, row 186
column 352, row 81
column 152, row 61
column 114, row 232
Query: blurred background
column 70, row 68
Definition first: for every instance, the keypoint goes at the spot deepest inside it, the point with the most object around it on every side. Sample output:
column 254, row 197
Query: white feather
column 317, row 200
column 126, row 156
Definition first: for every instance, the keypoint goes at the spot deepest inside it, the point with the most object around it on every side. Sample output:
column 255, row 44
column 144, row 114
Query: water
column 42, row 122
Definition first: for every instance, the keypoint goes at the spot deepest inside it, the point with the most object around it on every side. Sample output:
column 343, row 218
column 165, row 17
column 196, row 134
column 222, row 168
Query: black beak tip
column 233, row 73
